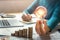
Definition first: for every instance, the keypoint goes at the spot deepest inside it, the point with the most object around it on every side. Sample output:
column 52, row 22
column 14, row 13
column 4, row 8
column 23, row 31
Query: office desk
column 54, row 35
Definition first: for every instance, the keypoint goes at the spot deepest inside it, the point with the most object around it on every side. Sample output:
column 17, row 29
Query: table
column 54, row 35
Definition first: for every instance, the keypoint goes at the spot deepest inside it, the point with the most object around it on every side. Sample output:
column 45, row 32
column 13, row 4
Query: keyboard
column 10, row 23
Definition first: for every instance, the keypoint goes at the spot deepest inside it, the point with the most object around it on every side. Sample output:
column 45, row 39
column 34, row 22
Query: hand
column 42, row 30
column 26, row 17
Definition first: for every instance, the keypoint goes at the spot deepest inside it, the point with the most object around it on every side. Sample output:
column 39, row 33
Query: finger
column 41, row 28
column 46, row 29
column 37, row 23
column 24, row 17
column 28, row 16
column 37, row 27
column 44, row 22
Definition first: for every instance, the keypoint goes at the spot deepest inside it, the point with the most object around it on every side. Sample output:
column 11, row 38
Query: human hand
column 42, row 29
column 26, row 17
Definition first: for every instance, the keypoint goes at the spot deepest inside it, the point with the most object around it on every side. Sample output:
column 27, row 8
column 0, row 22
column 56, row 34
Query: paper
column 33, row 20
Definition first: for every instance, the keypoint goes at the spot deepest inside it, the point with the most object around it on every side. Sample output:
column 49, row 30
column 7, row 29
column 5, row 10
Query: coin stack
column 26, row 33
column 30, row 32
column 13, row 34
column 17, row 33
column 20, row 33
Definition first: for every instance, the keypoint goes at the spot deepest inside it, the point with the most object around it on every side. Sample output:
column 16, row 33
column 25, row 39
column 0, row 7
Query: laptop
column 10, row 23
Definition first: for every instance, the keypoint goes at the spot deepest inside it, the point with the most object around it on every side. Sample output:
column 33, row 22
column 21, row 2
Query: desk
column 54, row 35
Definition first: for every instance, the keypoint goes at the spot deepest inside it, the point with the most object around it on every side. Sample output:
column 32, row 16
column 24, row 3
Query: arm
column 32, row 7
column 55, row 19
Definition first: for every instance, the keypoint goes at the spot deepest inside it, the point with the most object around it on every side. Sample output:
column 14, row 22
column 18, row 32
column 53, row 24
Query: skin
column 26, row 17
column 41, row 30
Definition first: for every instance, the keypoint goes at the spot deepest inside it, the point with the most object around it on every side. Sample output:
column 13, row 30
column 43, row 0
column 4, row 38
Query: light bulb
column 40, row 12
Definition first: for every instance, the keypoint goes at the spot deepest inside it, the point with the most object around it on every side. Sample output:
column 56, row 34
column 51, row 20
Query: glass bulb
column 41, row 12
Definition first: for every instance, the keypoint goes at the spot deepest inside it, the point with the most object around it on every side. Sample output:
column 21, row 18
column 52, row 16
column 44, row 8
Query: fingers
column 29, row 16
column 46, row 28
column 23, row 17
column 37, row 27
column 26, row 17
column 40, row 29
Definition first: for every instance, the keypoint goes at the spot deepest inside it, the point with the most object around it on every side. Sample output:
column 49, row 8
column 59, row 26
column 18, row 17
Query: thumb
column 45, row 25
column 44, row 22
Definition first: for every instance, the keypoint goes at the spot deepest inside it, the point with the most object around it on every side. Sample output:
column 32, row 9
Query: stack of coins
column 30, row 29
column 20, row 33
column 17, row 33
column 25, row 33
column 13, row 34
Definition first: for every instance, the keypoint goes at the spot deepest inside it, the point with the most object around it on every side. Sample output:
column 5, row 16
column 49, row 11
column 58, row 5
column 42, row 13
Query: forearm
column 32, row 7
column 52, row 22
column 55, row 18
